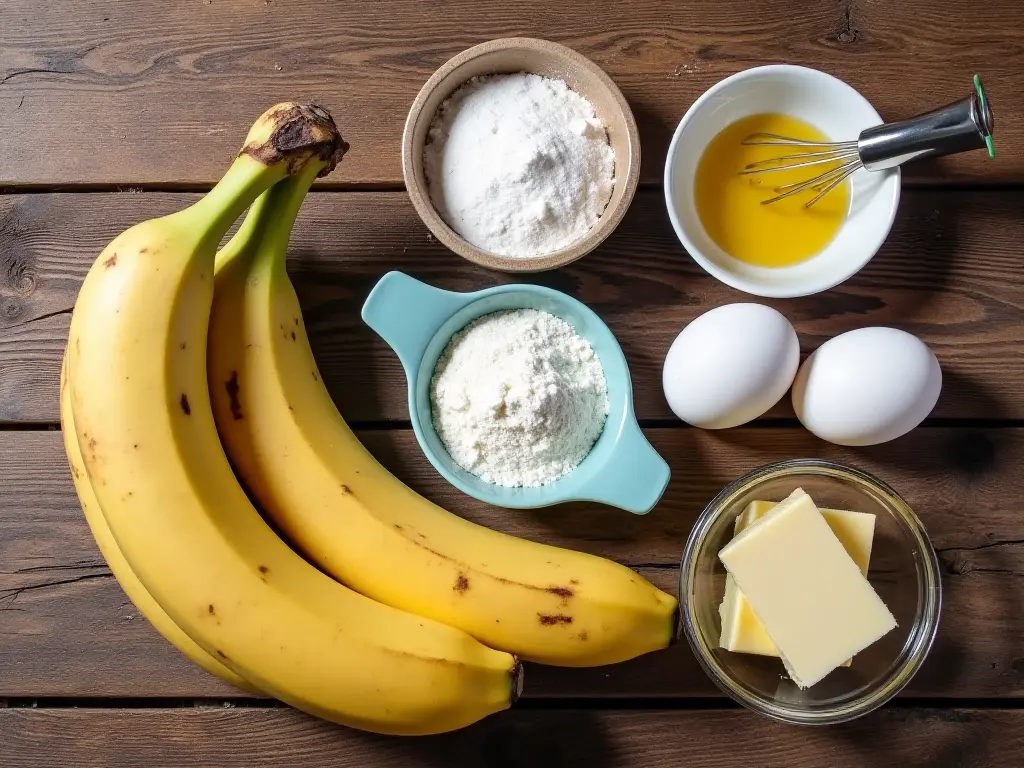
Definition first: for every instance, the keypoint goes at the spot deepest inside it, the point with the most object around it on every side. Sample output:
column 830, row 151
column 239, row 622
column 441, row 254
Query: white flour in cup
column 518, row 398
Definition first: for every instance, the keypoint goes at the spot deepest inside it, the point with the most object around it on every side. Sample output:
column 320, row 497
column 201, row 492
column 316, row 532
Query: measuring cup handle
column 635, row 477
column 406, row 313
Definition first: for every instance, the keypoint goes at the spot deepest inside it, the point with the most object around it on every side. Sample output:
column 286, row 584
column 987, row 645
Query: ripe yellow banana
column 137, row 376
column 131, row 585
column 349, row 515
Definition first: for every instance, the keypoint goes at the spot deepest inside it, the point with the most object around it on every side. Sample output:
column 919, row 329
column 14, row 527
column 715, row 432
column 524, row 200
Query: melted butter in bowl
column 731, row 206
column 772, row 250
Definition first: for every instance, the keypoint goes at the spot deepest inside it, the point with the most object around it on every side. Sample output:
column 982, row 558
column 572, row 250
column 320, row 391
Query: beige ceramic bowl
column 521, row 54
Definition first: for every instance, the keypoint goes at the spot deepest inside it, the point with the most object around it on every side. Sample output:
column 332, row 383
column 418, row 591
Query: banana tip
column 677, row 629
column 295, row 134
column 517, row 676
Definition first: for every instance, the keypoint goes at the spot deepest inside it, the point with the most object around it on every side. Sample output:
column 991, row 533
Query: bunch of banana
column 197, row 557
column 173, row 349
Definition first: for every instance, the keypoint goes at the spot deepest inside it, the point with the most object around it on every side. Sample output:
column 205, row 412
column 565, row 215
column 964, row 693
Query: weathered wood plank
column 163, row 92
column 67, row 630
column 268, row 738
column 950, row 273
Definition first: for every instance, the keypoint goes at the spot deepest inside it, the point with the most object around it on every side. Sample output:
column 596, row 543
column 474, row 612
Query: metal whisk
column 957, row 127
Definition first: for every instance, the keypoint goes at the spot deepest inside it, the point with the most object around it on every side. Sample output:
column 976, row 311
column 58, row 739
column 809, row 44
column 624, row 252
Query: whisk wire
column 825, row 182
column 818, row 181
column 832, row 158
column 845, row 153
column 827, row 154
column 775, row 140
column 832, row 184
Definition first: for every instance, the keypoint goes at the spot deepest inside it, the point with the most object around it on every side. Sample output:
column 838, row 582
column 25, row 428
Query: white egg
column 867, row 386
column 730, row 365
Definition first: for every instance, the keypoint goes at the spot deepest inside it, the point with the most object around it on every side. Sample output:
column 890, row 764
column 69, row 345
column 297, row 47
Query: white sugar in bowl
column 867, row 386
column 730, row 365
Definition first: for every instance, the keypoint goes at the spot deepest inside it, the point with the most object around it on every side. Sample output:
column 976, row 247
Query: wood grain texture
column 282, row 738
column 161, row 92
column 67, row 630
column 949, row 272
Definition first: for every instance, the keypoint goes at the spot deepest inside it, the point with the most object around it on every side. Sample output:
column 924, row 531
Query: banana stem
column 264, row 234
column 243, row 242
column 284, row 202
column 287, row 140
column 245, row 180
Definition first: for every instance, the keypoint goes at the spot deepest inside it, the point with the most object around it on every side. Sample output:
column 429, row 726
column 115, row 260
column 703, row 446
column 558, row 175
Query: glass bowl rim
column 922, row 634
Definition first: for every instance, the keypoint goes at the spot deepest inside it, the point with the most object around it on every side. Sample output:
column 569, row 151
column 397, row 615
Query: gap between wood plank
column 705, row 704
column 31, row 188
column 771, row 423
column 17, row 188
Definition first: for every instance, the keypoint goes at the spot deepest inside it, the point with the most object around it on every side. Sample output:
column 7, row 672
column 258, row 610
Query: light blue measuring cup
column 418, row 321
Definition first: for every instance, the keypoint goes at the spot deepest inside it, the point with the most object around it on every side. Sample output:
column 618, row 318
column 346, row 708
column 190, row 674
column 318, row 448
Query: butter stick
column 814, row 602
column 742, row 630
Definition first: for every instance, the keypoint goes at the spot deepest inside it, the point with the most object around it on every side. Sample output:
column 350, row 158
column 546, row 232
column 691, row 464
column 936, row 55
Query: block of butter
column 814, row 602
column 742, row 630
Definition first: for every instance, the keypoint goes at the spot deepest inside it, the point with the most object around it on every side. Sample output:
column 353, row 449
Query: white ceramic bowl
column 834, row 108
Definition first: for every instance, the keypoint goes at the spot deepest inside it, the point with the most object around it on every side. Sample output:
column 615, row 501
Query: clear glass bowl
column 904, row 570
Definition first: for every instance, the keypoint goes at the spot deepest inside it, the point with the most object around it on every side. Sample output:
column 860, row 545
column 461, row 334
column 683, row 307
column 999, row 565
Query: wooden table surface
column 111, row 113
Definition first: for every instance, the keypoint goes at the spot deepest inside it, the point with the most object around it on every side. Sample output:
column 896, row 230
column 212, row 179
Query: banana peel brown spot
column 583, row 636
column 574, row 581
column 563, row 592
column 185, row 407
column 461, row 584
column 293, row 335
column 111, row 262
column 222, row 654
column 348, row 492
column 315, row 377
column 422, row 657
column 550, row 620
column 231, row 385
column 211, row 610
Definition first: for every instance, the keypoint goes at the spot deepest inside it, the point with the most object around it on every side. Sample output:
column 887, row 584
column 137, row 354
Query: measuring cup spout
column 635, row 476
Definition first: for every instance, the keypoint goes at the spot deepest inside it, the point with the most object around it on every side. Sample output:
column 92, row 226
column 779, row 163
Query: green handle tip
column 989, row 145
